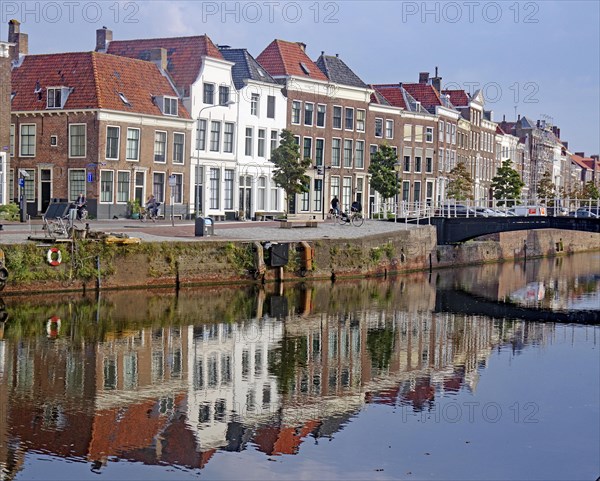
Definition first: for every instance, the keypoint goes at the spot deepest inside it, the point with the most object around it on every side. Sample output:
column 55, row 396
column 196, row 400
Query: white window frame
column 119, row 192
column 175, row 161
column 170, row 104
column 228, row 144
column 21, row 154
column 296, row 112
column 118, row 142
column 324, row 116
column 165, row 143
column 74, row 190
column 304, row 147
column 254, row 104
column 137, row 141
column 308, row 107
column 346, row 110
column 249, row 142
column 389, row 129
column 204, row 100
column 348, row 163
column 378, row 121
column 84, row 141
column 361, row 122
column 339, row 149
column 360, row 157
column 428, row 135
column 112, row 184
column 177, row 196
column 261, row 143
column 12, row 140
column 333, row 117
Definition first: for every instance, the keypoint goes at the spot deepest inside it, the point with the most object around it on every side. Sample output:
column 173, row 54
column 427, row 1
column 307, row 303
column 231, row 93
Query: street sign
column 21, row 182
column 172, row 180
column 320, row 170
column 90, row 177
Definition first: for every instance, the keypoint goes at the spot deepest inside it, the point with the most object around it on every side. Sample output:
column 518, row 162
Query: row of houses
column 195, row 124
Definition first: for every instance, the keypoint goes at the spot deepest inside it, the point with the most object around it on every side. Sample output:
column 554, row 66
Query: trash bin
column 204, row 227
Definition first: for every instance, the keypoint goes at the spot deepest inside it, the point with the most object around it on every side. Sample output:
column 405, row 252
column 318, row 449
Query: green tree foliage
column 507, row 184
column 460, row 185
column 383, row 171
column 290, row 168
column 590, row 191
column 546, row 188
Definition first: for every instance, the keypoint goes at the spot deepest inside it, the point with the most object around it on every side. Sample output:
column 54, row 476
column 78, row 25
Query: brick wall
column 4, row 103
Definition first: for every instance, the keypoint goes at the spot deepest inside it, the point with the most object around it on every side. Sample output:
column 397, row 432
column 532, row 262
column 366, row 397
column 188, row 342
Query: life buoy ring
column 53, row 327
column 50, row 256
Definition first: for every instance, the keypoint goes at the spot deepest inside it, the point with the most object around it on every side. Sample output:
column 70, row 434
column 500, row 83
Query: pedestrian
column 335, row 205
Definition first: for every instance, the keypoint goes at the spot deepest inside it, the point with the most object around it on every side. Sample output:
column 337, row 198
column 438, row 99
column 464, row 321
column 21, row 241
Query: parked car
column 455, row 210
column 593, row 212
column 484, row 212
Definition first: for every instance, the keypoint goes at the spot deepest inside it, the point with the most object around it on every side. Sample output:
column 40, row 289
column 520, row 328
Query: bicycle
column 149, row 214
column 354, row 218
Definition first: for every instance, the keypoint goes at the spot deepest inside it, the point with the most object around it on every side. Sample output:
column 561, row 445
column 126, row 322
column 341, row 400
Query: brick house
column 109, row 126
column 327, row 113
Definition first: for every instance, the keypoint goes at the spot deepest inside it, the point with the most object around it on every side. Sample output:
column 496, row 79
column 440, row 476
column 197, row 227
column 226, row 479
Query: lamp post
column 397, row 169
column 196, row 184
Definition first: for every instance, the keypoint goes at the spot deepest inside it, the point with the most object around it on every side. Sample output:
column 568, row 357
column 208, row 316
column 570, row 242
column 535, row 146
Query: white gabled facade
column 261, row 116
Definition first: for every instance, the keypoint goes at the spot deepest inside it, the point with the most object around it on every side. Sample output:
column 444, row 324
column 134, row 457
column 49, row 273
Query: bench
column 288, row 224
column 267, row 215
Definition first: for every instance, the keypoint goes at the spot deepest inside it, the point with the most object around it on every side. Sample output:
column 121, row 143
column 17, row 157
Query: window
column 170, row 106
column 223, row 95
column 274, row 198
column 335, row 187
column 112, row 142
column 321, row 109
column 429, row 165
column 307, row 151
column 305, row 201
column 346, row 198
column 123, row 186
column 201, row 135
column 215, row 136
column 261, row 142
column 429, row 134
column 178, row 146
column 261, row 200
column 215, row 183
column 441, row 131
column 454, row 133
column 254, row 98
column 270, row 106
column 106, row 186
column 407, row 132
column 347, row 153
column 27, row 142
column 76, row 182
column 228, row 190
column 372, row 150
column 319, row 147
column 389, row 129
column 337, row 117
column 360, row 120
column 417, row 164
column 274, row 138
column 406, row 190
column 55, row 98
column 308, row 113
column 209, row 93
column 349, row 125
column 418, row 133
column 53, row 140
column 378, row 127
column 177, row 189
column 158, row 186
column 417, row 192
column 12, row 140
column 160, row 146
column 359, row 159
column 249, row 141
column 335, row 152
column 29, row 187
column 441, row 159
column 407, row 163
column 228, row 137
column 296, row 112
column 133, row 144
column 77, row 140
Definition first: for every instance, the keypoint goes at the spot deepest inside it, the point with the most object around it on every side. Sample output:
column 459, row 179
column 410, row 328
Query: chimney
column 302, row 46
column 103, row 37
column 423, row 77
column 337, row 55
column 20, row 40
column 437, row 81
column 159, row 57
column 519, row 118
column 504, row 118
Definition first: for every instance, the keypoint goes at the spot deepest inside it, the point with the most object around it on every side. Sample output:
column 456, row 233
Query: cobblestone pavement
column 184, row 231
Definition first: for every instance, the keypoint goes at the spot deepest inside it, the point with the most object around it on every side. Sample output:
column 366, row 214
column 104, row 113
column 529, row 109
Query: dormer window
column 57, row 97
column 170, row 106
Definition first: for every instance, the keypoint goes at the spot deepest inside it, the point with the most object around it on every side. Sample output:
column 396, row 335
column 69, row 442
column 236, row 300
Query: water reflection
column 171, row 380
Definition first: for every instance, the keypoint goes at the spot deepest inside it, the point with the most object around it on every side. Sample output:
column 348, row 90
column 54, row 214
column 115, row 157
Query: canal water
column 455, row 374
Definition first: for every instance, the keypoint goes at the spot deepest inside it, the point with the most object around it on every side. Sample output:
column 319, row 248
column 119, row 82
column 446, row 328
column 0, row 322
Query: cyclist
column 335, row 205
column 152, row 206
column 356, row 206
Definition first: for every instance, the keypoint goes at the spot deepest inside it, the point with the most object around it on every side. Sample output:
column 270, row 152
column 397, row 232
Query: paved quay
column 184, row 231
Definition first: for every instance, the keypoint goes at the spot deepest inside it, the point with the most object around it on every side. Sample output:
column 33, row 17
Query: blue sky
column 541, row 57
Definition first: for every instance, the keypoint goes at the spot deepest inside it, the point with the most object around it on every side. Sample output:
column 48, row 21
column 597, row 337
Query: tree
column 290, row 169
column 507, row 184
column 383, row 172
column 590, row 191
column 460, row 185
column 546, row 188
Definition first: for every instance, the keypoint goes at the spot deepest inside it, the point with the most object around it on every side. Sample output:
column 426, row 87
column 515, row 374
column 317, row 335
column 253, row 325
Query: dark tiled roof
column 96, row 80
column 337, row 71
column 282, row 58
column 184, row 55
column 246, row 67
column 457, row 97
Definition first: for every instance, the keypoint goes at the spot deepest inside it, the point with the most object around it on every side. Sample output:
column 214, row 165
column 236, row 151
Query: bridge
column 453, row 230
column 459, row 301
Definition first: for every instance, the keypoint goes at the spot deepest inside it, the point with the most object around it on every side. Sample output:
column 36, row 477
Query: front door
column 45, row 188
column 139, row 187
column 246, row 196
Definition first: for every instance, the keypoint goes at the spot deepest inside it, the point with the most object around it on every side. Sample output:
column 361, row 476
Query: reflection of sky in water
column 586, row 302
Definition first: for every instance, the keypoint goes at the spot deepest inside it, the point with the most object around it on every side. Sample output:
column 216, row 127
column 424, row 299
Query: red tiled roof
column 282, row 58
column 184, row 55
column 579, row 161
column 459, row 98
column 424, row 93
column 96, row 79
column 392, row 93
